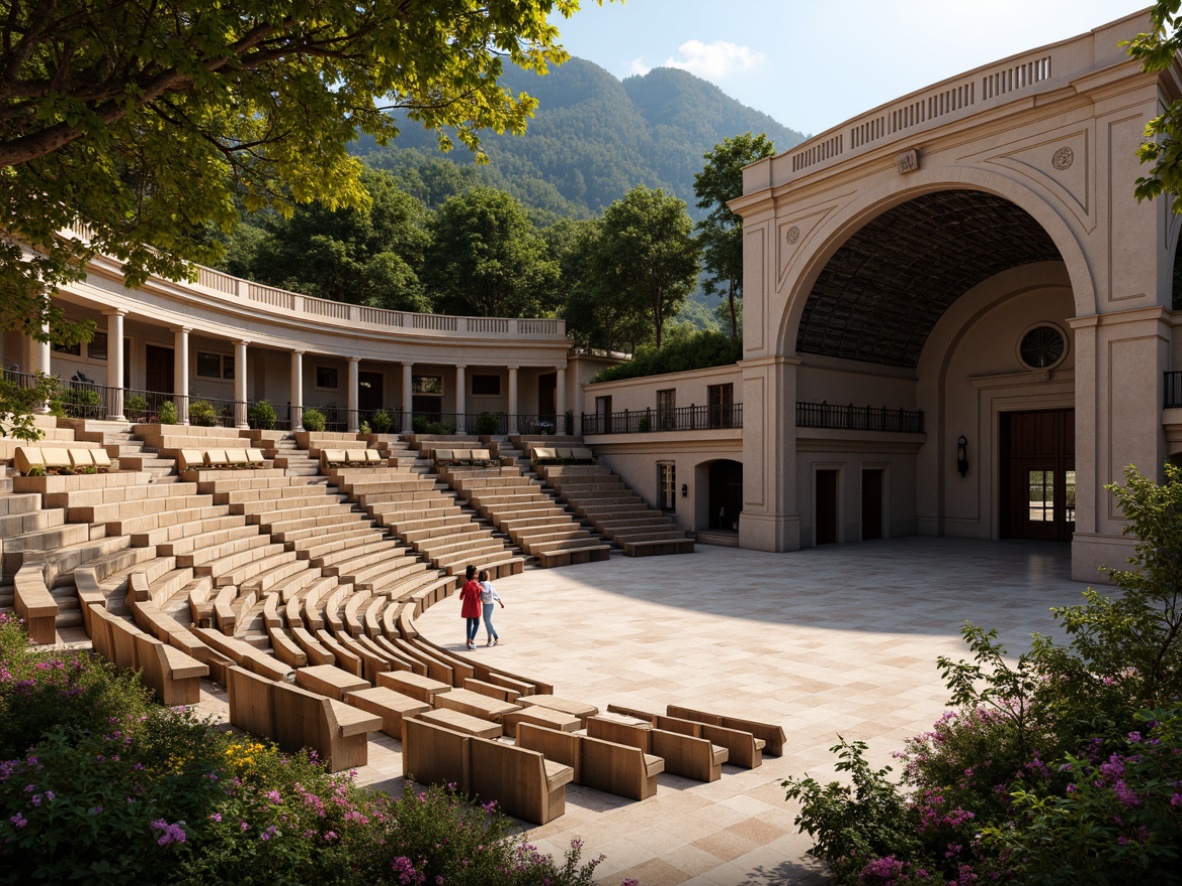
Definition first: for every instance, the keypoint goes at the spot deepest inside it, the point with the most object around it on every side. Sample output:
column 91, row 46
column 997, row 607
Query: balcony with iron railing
column 644, row 421
column 859, row 418
column 89, row 400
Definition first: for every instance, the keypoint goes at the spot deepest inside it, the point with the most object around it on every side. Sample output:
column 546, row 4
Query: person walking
column 470, row 604
column 489, row 597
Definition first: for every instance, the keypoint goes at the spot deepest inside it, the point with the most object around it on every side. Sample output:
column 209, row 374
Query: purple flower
column 19, row 820
column 173, row 833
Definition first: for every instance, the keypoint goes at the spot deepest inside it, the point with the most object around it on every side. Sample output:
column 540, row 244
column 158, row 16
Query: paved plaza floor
column 839, row 639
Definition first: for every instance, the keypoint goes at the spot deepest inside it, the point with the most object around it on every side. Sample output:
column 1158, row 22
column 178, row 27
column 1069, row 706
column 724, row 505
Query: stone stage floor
column 839, row 639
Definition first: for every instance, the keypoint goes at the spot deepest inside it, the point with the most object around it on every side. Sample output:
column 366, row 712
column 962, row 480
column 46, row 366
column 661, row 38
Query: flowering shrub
column 98, row 785
column 1062, row 767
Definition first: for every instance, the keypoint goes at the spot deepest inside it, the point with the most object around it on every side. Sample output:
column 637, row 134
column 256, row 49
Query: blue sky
column 812, row 64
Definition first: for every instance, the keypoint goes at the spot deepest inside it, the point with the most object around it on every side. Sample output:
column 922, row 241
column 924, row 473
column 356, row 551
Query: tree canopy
column 487, row 260
column 721, row 231
column 141, row 121
column 370, row 256
column 143, row 125
column 1156, row 50
column 644, row 260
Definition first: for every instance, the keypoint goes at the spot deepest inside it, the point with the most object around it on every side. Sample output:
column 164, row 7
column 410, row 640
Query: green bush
column 168, row 413
column 202, row 414
column 422, row 424
column 134, row 407
column 314, row 420
column 75, row 403
column 487, row 424
column 380, row 421
column 262, row 416
column 699, row 350
column 1061, row 766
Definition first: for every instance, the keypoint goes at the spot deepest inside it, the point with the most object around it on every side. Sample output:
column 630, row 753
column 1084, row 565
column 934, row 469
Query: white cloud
column 715, row 61
column 638, row 68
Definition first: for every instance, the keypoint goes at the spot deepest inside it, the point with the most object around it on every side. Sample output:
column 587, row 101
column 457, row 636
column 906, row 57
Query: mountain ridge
column 593, row 138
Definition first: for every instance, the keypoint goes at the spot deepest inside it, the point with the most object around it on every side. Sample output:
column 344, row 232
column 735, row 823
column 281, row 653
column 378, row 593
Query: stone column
column 770, row 520
column 42, row 354
column 461, row 399
column 115, row 364
column 180, row 372
column 354, row 423
column 513, row 429
column 297, row 390
column 560, row 400
column 407, row 398
column 240, row 416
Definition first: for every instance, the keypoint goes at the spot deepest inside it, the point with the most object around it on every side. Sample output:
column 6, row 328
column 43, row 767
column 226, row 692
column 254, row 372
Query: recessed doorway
column 1038, row 474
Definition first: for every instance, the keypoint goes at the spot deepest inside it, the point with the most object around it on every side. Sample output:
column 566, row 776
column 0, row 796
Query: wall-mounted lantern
column 962, row 455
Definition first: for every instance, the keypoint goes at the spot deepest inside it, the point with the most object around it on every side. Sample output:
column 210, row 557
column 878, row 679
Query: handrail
column 649, row 420
column 859, row 418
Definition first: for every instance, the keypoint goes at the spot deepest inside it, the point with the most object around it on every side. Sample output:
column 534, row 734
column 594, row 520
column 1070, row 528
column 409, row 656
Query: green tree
column 368, row 256
column 721, row 231
column 595, row 317
column 646, row 257
column 139, row 121
column 1156, row 50
column 487, row 260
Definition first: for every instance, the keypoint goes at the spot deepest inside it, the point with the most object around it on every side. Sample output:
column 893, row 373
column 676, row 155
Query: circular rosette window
column 1042, row 346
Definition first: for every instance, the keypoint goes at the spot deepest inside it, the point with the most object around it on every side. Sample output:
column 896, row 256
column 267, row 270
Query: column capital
column 183, row 329
column 243, row 342
column 461, row 366
column 298, row 352
column 115, row 312
column 513, row 367
column 353, row 358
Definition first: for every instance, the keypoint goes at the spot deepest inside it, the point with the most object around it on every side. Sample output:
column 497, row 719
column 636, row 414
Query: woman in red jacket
column 470, row 604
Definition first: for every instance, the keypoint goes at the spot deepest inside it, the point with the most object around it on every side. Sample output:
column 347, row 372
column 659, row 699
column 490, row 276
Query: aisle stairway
column 531, row 518
column 598, row 494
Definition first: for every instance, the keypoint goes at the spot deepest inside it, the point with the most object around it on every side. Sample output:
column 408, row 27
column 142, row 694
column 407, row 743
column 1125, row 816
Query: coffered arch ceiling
column 884, row 289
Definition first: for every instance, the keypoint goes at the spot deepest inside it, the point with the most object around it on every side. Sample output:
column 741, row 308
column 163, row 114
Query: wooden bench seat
column 523, row 782
column 35, row 604
column 245, row 655
column 684, row 755
column 329, row 680
column 393, row 707
column 474, row 704
column 578, row 709
column 465, row 723
column 174, row 676
column 771, row 734
column 295, row 718
column 414, row 685
column 540, row 716
column 604, row 765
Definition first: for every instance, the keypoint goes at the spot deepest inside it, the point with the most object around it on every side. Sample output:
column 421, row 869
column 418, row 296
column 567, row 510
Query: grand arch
column 955, row 303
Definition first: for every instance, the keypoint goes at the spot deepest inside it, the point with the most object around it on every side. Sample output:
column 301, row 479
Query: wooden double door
column 1038, row 474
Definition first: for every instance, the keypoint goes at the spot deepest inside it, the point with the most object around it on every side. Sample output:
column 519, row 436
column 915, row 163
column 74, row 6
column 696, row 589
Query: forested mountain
column 541, row 229
column 593, row 138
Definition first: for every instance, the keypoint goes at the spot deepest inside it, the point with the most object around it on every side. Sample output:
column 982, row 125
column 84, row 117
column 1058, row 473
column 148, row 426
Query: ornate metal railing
column 859, row 418
column 683, row 418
